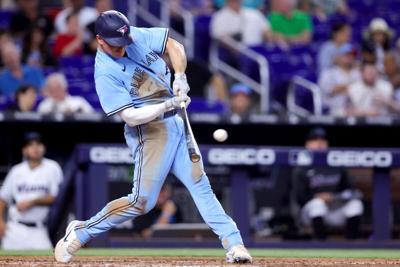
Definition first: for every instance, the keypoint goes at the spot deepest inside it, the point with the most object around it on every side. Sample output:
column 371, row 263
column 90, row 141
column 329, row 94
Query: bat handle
column 183, row 104
column 194, row 157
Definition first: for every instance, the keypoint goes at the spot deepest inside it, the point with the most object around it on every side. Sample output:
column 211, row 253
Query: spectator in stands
column 28, row 190
column 325, row 194
column 90, row 42
column 27, row 15
column 392, row 71
column 85, row 14
column 35, row 50
column 289, row 26
column 5, row 38
column 242, row 24
column 69, row 43
column 164, row 212
column 15, row 74
column 240, row 102
column 341, row 34
column 334, row 82
column 58, row 100
column 371, row 95
column 325, row 8
column 379, row 36
column 25, row 99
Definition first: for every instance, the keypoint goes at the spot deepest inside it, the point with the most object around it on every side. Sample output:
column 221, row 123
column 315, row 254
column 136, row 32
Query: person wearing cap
column 133, row 81
column 379, row 36
column 28, row 191
column 334, row 81
column 326, row 195
column 240, row 102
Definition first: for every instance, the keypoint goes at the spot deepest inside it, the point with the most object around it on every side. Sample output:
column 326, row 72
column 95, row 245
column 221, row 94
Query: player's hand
column 175, row 102
column 180, row 84
column 24, row 205
column 2, row 228
column 325, row 196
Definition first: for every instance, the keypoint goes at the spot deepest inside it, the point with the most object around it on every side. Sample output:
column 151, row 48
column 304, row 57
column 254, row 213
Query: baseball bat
column 193, row 149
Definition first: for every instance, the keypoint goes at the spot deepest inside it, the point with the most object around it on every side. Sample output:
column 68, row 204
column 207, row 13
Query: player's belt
column 32, row 224
column 167, row 114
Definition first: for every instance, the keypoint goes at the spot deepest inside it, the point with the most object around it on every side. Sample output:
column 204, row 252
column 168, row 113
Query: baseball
column 220, row 135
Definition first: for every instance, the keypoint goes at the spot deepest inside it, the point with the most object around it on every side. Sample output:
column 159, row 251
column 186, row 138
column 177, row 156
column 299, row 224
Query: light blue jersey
column 140, row 78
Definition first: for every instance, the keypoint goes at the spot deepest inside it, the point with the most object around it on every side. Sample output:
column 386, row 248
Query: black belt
column 31, row 224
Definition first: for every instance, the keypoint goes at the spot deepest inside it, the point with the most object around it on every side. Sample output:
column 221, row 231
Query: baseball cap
column 113, row 27
column 317, row 133
column 32, row 136
column 345, row 49
column 240, row 88
column 378, row 24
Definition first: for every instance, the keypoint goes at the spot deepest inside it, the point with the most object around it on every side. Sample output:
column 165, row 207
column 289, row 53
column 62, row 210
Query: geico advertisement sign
column 110, row 155
column 241, row 156
column 359, row 158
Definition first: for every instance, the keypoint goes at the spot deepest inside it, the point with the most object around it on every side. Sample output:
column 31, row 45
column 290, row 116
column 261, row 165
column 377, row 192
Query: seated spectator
column 25, row 99
column 58, row 100
column 392, row 71
column 15, row 74
column 325, row 8
column 164, row 212
column 35, row 50
column 289, row 26
column 240, row 102
column 370, row 96
column 334, row 82
column 326, row 195
column 5, row 38
column 28, row 190
column 341, row 34
column 85, row 15
column 379, row 36
column 242, row 24
column 69, row 43
column 90, row 41
column 27, row 15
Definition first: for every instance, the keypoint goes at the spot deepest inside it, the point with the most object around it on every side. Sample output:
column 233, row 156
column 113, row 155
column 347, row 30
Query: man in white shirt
column 334, row 81
column 247, row 25
column 370, row 96
column 58, row 100
column 28, row 190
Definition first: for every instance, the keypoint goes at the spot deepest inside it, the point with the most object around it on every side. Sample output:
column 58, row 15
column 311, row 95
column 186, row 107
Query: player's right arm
column 5, row 199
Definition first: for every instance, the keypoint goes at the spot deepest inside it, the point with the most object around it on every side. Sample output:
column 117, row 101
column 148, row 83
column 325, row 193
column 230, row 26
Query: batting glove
column 180, row 84
column 175, row 102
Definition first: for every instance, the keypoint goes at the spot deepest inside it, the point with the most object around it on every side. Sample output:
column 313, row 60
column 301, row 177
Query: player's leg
column 196, row 181
column 153, row 150
column 313, row 213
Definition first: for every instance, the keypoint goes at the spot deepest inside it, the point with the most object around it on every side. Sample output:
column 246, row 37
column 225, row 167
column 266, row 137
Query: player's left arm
column 177, row 56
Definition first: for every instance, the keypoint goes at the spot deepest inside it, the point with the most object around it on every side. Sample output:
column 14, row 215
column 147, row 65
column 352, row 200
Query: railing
column 141, row 9
column 291, row 97
column 262, row 87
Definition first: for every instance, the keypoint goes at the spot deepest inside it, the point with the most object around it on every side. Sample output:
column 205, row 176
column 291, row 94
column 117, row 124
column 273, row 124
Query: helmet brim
column 119, row 41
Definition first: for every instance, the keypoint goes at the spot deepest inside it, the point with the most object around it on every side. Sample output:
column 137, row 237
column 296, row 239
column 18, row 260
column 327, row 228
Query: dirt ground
column 193, row 261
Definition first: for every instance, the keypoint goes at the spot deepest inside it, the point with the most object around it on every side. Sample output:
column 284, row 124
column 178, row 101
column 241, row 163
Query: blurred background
column 291, row 81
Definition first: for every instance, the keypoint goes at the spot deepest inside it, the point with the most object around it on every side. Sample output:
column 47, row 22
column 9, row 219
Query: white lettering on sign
column 110, row 155
column 381, row 159
column 241, row 156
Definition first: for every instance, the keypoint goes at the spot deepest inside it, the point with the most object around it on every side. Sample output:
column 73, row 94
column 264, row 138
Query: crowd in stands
column 356, row 67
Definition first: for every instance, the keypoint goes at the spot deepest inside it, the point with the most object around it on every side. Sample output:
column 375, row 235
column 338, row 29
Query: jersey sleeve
column 154, row 38
column 6, row 188
column 114, row 97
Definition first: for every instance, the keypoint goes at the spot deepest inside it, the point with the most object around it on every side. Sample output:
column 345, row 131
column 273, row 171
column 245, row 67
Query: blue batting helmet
column 113, row 27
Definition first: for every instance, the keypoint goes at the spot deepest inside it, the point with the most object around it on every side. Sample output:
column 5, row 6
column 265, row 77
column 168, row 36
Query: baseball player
column 28, row 190
column 133, row 81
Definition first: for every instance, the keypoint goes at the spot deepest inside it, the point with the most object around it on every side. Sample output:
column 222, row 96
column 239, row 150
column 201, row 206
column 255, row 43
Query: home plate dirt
column 192, row 261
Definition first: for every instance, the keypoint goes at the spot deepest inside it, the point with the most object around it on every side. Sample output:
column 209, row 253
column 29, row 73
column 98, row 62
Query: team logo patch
column 124, row 29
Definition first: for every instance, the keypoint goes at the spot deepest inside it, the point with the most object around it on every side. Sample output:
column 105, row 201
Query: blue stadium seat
column 202, row 37
column 5, row 16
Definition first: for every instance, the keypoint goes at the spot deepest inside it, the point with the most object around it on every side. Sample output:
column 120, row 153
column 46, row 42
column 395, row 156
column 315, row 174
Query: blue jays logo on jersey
column 124, row 29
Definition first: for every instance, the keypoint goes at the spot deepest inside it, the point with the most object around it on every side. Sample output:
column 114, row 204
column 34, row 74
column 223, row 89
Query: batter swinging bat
column 193, row 149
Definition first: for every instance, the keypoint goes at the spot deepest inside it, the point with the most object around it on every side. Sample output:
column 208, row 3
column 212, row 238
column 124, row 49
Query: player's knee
column 143, row 205
column 316, row 208
column 353, row 208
